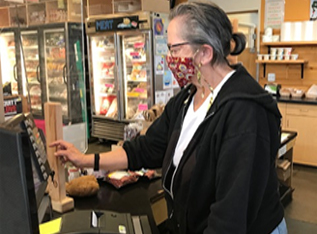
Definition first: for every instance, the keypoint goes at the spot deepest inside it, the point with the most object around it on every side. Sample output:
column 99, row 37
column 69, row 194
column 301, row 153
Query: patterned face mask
column 183, row 69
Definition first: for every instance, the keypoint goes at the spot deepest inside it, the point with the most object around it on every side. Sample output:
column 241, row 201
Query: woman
column 216, row 140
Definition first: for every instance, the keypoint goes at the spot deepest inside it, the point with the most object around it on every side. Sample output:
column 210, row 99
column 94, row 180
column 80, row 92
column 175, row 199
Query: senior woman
column 216, row 140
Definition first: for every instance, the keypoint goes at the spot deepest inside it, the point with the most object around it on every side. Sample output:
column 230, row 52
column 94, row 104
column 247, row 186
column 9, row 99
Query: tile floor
column 300, row 213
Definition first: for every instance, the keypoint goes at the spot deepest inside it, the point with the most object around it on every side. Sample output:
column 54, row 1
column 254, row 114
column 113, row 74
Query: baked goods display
column 292, row 93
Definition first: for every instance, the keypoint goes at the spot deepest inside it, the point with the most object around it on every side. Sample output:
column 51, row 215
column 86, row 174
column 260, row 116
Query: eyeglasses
column 170, row 46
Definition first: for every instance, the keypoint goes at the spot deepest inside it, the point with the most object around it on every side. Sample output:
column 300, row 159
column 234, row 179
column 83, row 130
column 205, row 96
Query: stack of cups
column 280, row 53
column 273, row 53
column 288, row 52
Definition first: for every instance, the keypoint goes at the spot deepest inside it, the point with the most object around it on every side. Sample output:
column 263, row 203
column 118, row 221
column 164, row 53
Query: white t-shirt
column 191, row 122
column 193, row 119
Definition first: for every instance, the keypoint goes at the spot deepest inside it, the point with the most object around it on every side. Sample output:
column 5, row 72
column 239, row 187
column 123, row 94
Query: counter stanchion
column 54, row 131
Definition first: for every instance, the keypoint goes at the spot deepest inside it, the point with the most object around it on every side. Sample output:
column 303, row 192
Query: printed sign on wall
column 313, row 10
column 274, row 13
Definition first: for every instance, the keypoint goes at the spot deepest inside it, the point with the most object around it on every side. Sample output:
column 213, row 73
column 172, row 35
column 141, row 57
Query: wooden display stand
column 41, row 12
column 95, row 8
column 54, row 131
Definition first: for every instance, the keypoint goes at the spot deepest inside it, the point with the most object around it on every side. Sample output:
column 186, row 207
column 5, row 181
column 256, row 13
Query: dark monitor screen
column 18, row 205
column 36, row 139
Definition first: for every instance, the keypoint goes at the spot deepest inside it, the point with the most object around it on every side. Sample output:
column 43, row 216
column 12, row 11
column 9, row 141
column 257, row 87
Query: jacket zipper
column 170, row 191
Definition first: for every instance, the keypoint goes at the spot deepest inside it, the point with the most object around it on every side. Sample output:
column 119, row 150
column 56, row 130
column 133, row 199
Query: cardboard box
column 162, row 6
column 283, row 169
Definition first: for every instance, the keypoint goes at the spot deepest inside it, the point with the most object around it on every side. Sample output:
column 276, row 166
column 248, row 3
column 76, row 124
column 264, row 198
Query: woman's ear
column 207, row 54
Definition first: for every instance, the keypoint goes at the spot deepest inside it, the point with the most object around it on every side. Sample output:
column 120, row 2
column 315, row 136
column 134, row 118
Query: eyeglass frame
column 170, row 46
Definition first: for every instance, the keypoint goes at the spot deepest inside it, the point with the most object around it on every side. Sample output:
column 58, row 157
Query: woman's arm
column 113, row 160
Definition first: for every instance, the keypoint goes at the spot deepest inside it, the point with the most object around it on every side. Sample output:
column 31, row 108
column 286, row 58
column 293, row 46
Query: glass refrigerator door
column 103, row 76
column 56, row 70
column 8, row 62
column 137, row 73
column 32, row 68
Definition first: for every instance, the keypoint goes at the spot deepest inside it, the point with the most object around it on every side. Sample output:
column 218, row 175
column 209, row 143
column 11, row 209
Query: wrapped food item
column 285, row 92
column 132, row 130
column 297, row 93
column 113, row 109
column 147, row 173
column 82, row 186
column 311, row 93
column 121, row 178
column 106, row 103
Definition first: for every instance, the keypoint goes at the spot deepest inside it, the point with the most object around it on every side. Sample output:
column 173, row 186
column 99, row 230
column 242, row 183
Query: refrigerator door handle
column 15, row 72
column 38, row 73
column 64, row 74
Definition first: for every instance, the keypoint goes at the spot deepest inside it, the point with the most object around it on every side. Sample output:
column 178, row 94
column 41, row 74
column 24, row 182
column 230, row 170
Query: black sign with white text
column 117, row 24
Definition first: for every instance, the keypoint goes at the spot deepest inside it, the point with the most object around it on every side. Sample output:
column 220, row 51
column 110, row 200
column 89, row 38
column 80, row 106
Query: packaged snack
column 121, row 178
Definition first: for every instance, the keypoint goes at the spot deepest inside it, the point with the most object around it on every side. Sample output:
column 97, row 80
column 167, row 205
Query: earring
column 199, row 81
column 199, row 74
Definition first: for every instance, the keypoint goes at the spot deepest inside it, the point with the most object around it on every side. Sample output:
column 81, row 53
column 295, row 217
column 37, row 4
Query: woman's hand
column 67, row 152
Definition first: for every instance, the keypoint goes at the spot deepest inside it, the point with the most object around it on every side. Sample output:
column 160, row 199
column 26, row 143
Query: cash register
column 23, row 178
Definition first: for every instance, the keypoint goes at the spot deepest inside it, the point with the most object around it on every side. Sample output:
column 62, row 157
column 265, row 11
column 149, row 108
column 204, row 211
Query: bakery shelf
column 285, row 62
column 298, row 61
column 289, row 43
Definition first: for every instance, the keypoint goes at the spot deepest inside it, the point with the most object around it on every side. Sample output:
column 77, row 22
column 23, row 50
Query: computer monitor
column 40, row 166
column 23, row 175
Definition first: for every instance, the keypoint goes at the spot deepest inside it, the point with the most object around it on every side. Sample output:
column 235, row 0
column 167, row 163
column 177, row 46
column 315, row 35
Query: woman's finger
column 61, row 153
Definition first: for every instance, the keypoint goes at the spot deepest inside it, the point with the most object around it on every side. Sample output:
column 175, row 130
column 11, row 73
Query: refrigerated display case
column 45, row 68
column 32, row 82
column 55, row 67
column 137, row 72
column 121, row 71
column 10, row 58
column 105, row 85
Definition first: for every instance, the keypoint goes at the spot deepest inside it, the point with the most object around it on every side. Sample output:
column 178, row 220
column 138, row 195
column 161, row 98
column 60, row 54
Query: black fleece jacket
column 226, row 181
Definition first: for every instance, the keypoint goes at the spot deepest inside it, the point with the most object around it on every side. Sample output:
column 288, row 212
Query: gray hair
column 206, row 23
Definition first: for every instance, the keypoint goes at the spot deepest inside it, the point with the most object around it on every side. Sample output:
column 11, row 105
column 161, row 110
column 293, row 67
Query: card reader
column 103, row 222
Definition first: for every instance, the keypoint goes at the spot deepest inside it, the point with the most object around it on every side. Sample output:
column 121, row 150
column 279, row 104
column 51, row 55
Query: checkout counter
column 143, row 199
column 140, row 198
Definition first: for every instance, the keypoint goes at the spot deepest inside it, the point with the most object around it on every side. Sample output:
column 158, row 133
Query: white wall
column 238, row 5
column 231, row 6
column 245, row 17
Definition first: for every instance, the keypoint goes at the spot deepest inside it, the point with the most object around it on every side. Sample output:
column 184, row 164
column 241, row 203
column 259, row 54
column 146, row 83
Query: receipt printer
column 103, row 222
